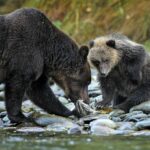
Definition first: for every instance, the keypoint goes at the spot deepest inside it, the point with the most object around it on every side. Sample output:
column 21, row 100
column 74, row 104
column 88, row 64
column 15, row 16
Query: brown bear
column 32, row 49
column 123, row 70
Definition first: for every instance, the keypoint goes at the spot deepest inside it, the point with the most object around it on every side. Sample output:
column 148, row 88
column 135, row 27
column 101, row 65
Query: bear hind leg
column 142, row 94
column 14, row 92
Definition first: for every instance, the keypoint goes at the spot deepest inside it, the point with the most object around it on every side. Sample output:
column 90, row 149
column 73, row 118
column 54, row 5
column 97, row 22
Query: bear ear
column 83, row 51
column 111, row 43
column 91, row 43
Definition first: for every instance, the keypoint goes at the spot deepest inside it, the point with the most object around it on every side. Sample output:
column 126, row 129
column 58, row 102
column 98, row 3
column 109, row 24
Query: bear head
column 103, row 55
column 75, row 85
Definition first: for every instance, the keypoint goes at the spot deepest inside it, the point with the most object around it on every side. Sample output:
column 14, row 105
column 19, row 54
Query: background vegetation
column 87, row 19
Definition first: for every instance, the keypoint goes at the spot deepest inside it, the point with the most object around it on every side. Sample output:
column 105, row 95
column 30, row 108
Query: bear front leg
column 108, row 92
column 118, row 99
column 14, row 92
column 142, row 94
column 41, row 94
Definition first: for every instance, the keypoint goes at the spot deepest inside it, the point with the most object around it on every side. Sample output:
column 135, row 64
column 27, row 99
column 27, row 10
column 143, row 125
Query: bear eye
column 95, row 62
column 106, row 60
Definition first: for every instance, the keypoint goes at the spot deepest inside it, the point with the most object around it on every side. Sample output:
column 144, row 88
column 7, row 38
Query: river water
column 40, row 141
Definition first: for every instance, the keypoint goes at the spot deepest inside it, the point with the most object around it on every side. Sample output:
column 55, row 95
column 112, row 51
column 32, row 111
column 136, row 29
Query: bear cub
column 32, row 49
column 123, row 70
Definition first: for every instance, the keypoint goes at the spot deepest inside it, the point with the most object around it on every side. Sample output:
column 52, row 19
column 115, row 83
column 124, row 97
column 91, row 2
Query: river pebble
column 145, row 107
column 104, row 122
column 52, row 120
column 145, row 124
column 116, row 113
column 63, row 100
column 76, row 129
column 101, row 123
column 1, row 123
column 101, row 130
column 31, row 129
column 2, row 106
column 141, row 133
column 125, row 126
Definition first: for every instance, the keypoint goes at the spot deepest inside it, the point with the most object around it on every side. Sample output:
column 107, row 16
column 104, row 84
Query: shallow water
column 40, row 141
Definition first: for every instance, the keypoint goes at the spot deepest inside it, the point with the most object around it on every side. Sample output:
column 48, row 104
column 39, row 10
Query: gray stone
column 141, row 133
column 31, row 129
column 101, row 130
column 2, row 86
column 116, row 119
column 125, row 125
column 47, row 119
column 56, row 128
column 2, row 95
column 145, row 107
column 70, row 106
column 57, row 90
column 123, row 132
column 63, row 100
column 116, row 113
column 104, row 122
column 2, row 106
column 1, row 123
column 96, row 99
column 145, row 124
column 28, row 106
column 136, row 118
column 76, row 129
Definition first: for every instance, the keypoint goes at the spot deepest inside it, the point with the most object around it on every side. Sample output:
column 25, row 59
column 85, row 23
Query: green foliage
column 87, row 19
column 57, row 23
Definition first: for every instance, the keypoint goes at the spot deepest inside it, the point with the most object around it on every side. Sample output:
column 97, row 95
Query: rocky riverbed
column 103, row 122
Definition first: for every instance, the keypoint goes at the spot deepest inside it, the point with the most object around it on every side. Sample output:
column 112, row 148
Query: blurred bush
column 87, row 19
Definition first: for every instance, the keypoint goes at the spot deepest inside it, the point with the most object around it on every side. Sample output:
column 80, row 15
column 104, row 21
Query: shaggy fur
column 124, row 70
column 31, row 50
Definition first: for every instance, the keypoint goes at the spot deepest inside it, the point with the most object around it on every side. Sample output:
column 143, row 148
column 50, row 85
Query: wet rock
column 141, row 133
column 116, row 119
column 101, row 130
column 116, row 113
column 145, row 124
column 56, row 128
column 84, row 109
column 57, row 90
column 90, row 118
column 63, row 100
column 28, row 106
column 1, row 123
column 6, row 119
column 145, row 107
column 94, row 93
column 2, row 86
column 47, row 119
column 2, row 106
column 123, row 132
column 136, row 118
column 31, row 129
column 96, row 99
column 2, row 95
column 94, row 86
column 75, row 130
column 104, row 122
column 125, row 125
column 70, row 106
column 3, row 114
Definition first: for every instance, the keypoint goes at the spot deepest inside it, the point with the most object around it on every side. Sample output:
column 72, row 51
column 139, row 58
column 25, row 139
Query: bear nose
column 103, row 75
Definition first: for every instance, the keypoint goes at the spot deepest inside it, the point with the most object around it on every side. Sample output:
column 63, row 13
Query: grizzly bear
column 32, row 49
column 123, row 70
